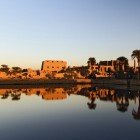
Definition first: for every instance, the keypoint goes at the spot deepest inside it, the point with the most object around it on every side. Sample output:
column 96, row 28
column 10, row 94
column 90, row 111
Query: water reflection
column 121, row 97
column 136, row 114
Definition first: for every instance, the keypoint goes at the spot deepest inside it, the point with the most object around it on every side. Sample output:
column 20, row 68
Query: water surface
column 70, row 113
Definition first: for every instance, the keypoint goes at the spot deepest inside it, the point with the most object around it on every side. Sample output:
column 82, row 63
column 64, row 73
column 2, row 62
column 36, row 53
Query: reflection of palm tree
column 5, row 96
column 92, row 105
column 136, row 114
column 38, row 93
column 15, row 96
column 122, row 104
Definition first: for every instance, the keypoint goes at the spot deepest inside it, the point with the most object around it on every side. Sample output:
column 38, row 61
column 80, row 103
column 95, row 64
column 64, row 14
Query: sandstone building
column 53, row 65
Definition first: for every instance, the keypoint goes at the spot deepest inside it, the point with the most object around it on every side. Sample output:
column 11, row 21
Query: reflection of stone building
column 102, row 94
column 46, row 93
column 94, row 94
column 120, row 97
column 4, row 91
column 53, row 65
column 55, row 94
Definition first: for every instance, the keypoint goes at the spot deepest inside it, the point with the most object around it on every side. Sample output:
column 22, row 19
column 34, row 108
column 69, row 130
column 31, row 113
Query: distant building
column 108, row 63
column 105, row 66
column 53, row 65
column 3, row 75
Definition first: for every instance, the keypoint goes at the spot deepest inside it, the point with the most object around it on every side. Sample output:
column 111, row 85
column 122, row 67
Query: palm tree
column 136, row 54
column 91, row 61
column 16, row 70
column 122, row 62
column 4, row 68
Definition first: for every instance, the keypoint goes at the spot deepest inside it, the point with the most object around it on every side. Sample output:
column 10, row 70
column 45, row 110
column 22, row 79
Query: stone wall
column 53, row 65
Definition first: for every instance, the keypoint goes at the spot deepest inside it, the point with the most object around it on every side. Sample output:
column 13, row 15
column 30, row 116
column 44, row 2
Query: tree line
column 123, row 61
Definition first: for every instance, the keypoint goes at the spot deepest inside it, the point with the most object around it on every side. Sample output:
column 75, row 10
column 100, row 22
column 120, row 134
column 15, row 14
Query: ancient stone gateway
column 53, row 65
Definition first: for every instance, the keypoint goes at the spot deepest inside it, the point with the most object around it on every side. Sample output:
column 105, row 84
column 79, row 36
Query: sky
column 73, row 30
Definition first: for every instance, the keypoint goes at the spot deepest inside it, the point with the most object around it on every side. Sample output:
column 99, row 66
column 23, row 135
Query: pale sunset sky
column 73, row 30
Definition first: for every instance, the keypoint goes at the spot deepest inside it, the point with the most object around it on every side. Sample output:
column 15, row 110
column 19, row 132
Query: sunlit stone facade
column 53, row 65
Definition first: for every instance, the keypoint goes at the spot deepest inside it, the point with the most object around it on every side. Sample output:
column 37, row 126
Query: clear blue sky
column 72, row 30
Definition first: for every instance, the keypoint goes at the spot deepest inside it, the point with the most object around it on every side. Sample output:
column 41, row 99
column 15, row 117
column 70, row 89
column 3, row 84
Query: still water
column 69, row 113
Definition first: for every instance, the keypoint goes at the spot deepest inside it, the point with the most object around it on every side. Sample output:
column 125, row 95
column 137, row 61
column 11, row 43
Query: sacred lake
column 69, row 112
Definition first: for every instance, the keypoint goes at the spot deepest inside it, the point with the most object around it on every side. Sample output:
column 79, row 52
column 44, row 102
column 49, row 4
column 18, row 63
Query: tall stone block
column 53, row 65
